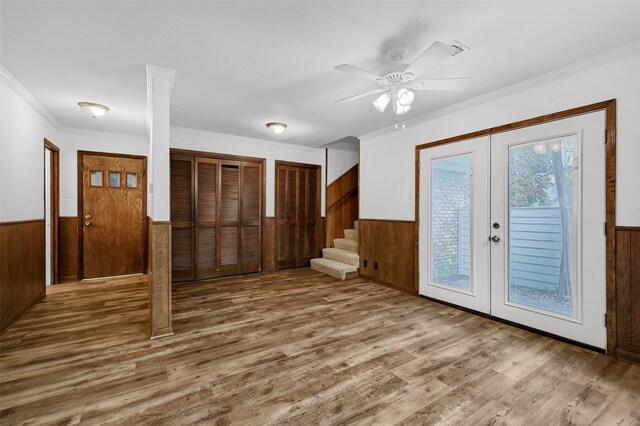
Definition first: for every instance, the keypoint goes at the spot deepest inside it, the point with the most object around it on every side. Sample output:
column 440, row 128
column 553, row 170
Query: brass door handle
column 87, row 223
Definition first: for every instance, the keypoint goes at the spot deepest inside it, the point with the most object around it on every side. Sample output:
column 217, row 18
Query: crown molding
column 26, row 96
column 245, row 139
column 584, row 65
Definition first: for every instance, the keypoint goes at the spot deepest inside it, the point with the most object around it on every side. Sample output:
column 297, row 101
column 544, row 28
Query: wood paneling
column 160, row 280
column 113, row 231
column 269, row 244
column 342, row 205
column 609, row 107
column 628, row 293
column 22, row 268
column 217, row 215
column 68, row 254
column 390, row 244
column 298, row 222
column 296, row 347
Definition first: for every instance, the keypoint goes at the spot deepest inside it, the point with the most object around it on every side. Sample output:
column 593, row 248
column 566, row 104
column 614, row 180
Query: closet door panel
column 312, row 219
column 303, row 190
column 181, row 212
column 251, row 214
column 206, row 214
column 230, row 218
column 281, row 217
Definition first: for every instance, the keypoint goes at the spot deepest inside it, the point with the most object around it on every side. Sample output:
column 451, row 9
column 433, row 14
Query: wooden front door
column 297, row 214
column 112, row 209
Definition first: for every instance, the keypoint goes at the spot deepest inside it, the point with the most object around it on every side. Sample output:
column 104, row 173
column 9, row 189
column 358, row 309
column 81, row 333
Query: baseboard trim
column 628, row 356
column 163, row 332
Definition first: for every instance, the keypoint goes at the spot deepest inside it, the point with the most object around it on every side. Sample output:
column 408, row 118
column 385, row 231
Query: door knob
column 87, row 223
column 495, row 239
column 87, row 216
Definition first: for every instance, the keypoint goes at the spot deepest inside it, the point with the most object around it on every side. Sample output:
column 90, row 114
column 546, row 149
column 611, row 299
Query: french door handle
column 495, row 239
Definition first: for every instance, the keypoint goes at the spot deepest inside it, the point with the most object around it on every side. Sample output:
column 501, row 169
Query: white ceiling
column 242, row 64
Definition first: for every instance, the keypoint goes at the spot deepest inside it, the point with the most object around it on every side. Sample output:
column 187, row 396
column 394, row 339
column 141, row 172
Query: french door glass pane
column 541, row 199
column 450, row 222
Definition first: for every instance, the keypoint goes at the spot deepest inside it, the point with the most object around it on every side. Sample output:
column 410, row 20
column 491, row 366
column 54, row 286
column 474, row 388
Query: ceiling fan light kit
column 398, row 86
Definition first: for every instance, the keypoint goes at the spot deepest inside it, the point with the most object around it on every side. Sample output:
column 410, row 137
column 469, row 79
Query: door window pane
column 132, row 180
column 114, row 179
column 541, row 226
column 95, row 178
column 451, row 222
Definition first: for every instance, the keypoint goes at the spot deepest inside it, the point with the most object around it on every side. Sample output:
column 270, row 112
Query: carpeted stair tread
column 342, row 256
column 351, row 234
column 338, row 270
column 346, row 244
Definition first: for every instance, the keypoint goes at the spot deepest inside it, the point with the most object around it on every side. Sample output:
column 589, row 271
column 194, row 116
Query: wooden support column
column 159, row 85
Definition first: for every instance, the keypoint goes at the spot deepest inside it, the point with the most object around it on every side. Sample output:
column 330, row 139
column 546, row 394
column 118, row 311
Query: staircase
column 342, row 260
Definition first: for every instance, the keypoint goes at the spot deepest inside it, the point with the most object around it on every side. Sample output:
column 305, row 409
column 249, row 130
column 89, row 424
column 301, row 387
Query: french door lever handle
column 495, row 239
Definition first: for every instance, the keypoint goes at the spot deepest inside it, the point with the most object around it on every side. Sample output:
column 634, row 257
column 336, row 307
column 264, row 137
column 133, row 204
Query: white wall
column 22, row 135
column 339, row 161
column 236, row 145
column 389, row 194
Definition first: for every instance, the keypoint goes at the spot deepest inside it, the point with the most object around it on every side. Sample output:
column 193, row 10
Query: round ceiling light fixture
column 94, row 110
column 276, row 127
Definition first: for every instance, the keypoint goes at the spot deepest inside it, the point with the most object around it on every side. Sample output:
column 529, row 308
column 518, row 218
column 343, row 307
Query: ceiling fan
column 398, row 85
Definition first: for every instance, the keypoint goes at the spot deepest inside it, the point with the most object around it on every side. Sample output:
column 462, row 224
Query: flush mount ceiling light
column 276, row 127
column 398, row 86
column 94, row 110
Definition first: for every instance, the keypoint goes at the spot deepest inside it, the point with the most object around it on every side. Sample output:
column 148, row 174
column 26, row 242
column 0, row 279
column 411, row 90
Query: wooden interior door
column 112, row 213
column 230, row 217
column 297, row 214
column 182, row 218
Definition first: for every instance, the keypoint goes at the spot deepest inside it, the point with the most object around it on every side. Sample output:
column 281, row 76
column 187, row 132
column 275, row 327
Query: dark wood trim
column 143, row 185
column 609, row 107
column 20, row 222
column 348, row 193
column 628, row 228
column 387, row 220
column 628, row 356
column 515, row 324
column 55, row 210
column 38, row 300
column 604, row 105
column 319, row 224
column 230, row 157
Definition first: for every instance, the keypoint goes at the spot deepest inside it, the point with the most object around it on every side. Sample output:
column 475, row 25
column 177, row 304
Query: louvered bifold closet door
column 301, row 254
column 250, row 216
column 292, row 217
column 230, row 217
column 206, row 231
column 281, row 216
column 312, row 218
column 182, row 220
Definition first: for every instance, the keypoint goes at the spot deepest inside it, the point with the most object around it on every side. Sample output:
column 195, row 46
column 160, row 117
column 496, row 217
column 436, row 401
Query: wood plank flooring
column 295, row 348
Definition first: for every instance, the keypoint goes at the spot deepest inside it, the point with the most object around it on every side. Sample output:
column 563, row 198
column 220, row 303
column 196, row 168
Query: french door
column 543, row 232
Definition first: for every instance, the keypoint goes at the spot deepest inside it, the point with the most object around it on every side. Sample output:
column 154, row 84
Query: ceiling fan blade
column 362, row 95
column 442, row 84
column 358, row 71
column 430, row 58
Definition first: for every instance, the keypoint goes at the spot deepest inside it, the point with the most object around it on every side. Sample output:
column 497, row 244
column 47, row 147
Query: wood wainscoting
column 68, row 256
column 159, row 278
column 22, row 268
column 389, row 244
column 342, row 205
column 628, row 293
